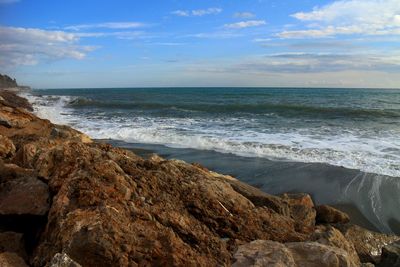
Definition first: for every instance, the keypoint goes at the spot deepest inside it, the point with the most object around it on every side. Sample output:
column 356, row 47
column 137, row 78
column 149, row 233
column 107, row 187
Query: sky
column 167, row 43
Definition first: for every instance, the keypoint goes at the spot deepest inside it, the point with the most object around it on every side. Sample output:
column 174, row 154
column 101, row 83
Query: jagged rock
column 328, row 214
column 9, row 259
column 390, row 255
column 368, row 244
column 7, row 148
column 13, row 242
column 24, row 196
column 62, row 260
column 114, row 212
column 268, row 253
column 330, row 236
column 13, row 100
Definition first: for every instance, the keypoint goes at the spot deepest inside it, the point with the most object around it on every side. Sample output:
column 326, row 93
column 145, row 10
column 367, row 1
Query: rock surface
column 9, row 259
column 391, row 255
column 63, row 260
column 368, row 244
column 13, row 242
column 266, row 253
column 327, row 214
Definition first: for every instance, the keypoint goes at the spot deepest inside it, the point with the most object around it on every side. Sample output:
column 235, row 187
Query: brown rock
column 7, row 148
column 13, row 242
column 26, row 195
column 390, row 255
column 330, row 236
column 9, row 259
column 368, row 244
column 268, row 253
column 328, row 214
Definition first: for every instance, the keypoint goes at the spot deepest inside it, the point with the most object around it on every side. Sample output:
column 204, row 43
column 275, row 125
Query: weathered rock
column 12, row 242
column 7, row 148
column 9, row 259
column 328, row 214
column 330, row 236
column 299, row 207
column 261, row 253
column 62, row 260
column 390, row 255
column 268, row 253
column 368, row 244
column 24, row 196
column 13, row 100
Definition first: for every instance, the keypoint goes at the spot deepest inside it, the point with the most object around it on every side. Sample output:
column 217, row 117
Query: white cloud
column 243, row 15
column 245, row 24
column 181, row 13
column 345, row 17
column 308, row 63
column 28, row 46
column 197, row 12
column 106, row 25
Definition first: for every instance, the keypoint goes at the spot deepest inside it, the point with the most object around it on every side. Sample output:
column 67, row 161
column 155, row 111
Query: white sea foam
column 357, row 149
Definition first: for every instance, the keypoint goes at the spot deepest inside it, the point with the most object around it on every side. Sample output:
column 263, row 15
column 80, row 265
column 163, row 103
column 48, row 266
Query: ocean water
column 358, row 129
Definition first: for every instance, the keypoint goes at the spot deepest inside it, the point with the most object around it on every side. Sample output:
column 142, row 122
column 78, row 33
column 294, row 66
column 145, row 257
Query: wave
column 259, row 108
column 361, row 149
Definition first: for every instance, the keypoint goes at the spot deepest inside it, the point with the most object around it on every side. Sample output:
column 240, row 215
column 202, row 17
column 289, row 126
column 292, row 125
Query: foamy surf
column 362, row 149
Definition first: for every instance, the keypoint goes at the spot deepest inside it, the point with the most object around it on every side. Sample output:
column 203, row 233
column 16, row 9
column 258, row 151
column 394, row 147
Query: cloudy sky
column 124, row 43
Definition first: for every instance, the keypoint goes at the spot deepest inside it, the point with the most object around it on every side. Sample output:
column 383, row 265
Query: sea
column 340, row 145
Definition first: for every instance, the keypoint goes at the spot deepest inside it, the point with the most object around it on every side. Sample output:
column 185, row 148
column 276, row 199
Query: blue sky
column 63, row 44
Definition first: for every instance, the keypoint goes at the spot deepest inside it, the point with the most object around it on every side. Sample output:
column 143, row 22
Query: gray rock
column 390, row 255
column 267, row 253
column 63, row 260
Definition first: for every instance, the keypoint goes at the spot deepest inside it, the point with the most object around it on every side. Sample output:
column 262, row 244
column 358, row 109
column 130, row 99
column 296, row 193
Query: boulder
column 7, row 148
column 368, row 244
column 328, row 214
column 9, row 259
column 269, row 253
column 390, row 255
column 24, row 196
column 330, row 236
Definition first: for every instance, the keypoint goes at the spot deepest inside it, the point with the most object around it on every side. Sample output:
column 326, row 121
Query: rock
column 62, row 260
column 268, row 253
column 302, row 210
column 4, row 122
column 261, row 253
column 390, row 255
column 13, row 242
column 23, row 196
column 368, row 244
column 328, row 214
column 13, row 100
column 7, row 148
column 331, row 236
column 9, row 259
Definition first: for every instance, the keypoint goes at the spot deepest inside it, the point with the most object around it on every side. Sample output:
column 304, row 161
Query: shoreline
column 97, row 205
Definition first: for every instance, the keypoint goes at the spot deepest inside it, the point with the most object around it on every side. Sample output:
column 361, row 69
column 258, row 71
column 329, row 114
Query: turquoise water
column 340, row 145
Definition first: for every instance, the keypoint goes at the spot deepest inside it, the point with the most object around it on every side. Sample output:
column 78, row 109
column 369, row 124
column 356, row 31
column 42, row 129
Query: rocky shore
column 68, row 201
